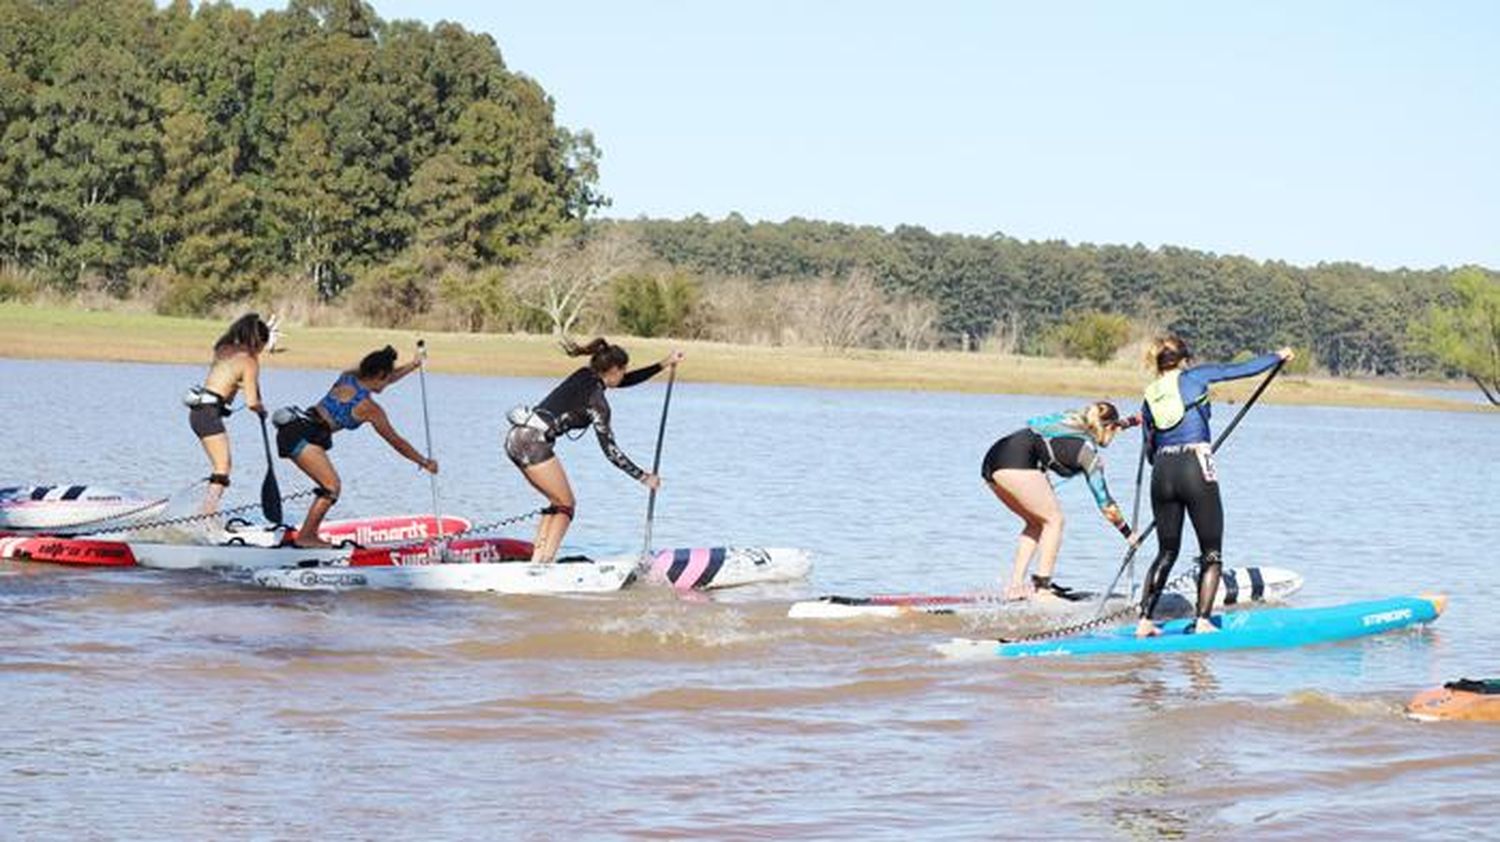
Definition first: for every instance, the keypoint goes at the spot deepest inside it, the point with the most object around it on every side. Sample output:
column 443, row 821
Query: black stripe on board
column 1231, row 588
column 679, row 563
column 74, row 492
column 1257, row 585
column 40, row 492
column 715, row 564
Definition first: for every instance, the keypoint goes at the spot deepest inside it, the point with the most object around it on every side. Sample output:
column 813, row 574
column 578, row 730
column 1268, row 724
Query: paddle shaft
column 427, row 430
column 1135, row 509
column 1218, row 442
column 270, row 491
column 661, row 434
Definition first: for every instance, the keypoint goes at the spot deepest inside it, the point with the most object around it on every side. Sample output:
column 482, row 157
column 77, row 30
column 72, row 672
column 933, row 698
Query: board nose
column 1439, row 601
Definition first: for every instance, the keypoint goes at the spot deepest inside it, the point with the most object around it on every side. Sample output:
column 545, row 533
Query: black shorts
column 300, row 433
column 1022, row 450
column 527, row 446
column 207, row 420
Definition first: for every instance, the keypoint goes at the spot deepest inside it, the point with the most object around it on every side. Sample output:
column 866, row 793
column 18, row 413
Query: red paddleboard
column 462, row 550
column 396, row 529
column 81, row 551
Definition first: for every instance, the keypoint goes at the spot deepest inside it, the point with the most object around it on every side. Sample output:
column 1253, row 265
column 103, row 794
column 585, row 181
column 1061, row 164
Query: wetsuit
column 1184, row 481
column 317, row 424
column 576, row 404
column 1049, row 443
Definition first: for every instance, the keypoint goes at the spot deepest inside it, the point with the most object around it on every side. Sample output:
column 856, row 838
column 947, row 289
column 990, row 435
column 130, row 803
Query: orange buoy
column 1464, row 700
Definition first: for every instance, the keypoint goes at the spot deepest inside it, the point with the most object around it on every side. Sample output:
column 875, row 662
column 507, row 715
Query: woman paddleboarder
column 236, row 365
column 1183, row 477
column 1016, row 468
column 306, row 435
column 575, row 405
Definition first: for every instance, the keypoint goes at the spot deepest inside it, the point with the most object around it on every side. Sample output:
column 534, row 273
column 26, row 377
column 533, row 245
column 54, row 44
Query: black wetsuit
column 1185, row 482
column 576, row 404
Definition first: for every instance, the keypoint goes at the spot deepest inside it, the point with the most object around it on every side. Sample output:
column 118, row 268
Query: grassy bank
column 58, row 333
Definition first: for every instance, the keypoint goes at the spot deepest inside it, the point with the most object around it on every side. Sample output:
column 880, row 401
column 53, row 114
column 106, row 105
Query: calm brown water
column 149, row 705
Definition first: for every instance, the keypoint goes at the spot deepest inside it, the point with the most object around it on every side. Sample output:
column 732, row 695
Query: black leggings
column 1183, row 482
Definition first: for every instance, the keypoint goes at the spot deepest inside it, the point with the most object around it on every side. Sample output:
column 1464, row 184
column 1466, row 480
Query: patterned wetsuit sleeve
column 1215, row 372
column 640, row 375
column 1093, row 471
column 599, row 414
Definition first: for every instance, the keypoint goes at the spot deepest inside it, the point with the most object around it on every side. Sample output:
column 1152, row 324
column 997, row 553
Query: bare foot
column 1204, row 626
column 1146, row 628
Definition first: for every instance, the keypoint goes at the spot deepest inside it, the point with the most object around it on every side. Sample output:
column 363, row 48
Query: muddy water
column 151, row 705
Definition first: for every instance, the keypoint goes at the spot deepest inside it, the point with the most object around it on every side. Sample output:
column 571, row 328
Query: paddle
column 270, row 492
column 427, row 429
column 1135, row 510
column 1146, row 533
column 661, row 433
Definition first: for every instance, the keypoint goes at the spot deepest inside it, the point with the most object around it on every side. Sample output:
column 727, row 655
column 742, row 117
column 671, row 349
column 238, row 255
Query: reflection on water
column 141, row 701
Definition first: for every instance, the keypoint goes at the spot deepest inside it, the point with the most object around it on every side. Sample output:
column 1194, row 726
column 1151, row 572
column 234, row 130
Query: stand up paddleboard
column 61, row 507
column 1269, row 629
column 1238, row 586
column 695, row 568
column 1464, row 700
column 510, row 577
column 252, row 547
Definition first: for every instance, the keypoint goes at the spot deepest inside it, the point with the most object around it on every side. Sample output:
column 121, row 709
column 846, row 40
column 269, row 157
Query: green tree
column 648, row 305
column 1465, row 336
column 1093, row 335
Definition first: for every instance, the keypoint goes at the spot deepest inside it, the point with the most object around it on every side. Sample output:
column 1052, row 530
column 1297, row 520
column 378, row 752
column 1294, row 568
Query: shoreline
column 28, row 332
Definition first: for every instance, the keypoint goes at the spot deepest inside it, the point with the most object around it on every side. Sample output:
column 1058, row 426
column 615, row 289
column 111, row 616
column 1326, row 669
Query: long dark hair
column 602, row 355
column 248, row 334
column 377, row 364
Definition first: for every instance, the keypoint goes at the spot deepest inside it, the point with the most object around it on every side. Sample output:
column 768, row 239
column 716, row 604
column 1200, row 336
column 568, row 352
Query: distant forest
column 201, row 159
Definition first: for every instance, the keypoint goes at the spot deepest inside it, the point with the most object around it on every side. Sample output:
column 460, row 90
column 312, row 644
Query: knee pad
column 565, row 511
column 219, row 479
column 326, row 494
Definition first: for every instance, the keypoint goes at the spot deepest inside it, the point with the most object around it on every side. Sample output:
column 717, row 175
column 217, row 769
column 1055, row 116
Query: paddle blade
column 270, row 492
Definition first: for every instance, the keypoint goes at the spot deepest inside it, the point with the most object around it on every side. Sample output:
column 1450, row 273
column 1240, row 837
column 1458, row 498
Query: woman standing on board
column 1015, row 469
column 575, row 405
column 1183, row 479
column 306, row 436
column 236, row 364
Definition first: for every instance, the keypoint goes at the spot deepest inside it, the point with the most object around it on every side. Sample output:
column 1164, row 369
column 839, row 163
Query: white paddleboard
column 1238, row 586
column 511, row 577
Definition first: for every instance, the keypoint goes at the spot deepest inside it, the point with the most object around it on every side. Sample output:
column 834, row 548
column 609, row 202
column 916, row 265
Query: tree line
column 321, row 160
column 197, row 153
column 1026, row 295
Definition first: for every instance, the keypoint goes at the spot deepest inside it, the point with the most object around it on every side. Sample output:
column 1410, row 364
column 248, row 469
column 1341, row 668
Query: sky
column 1306, row 132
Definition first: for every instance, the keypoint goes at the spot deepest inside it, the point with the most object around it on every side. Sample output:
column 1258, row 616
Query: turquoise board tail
column 1273, row 628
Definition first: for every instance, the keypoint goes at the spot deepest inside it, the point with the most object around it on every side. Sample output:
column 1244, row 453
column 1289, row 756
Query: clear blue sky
column 1365, row 131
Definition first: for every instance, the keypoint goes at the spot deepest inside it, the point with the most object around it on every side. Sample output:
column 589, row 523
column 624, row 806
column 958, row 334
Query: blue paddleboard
column 1272, row 628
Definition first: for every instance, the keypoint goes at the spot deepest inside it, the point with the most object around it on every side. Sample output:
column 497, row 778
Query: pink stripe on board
column 660, row 563
column 697, row 563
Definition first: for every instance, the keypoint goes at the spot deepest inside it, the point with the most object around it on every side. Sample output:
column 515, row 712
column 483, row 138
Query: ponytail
column 377, row 363
column 602, row 355
column 1167, row 352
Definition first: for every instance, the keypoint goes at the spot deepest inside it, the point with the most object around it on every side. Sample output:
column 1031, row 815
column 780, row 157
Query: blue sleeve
column 1215, row 372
